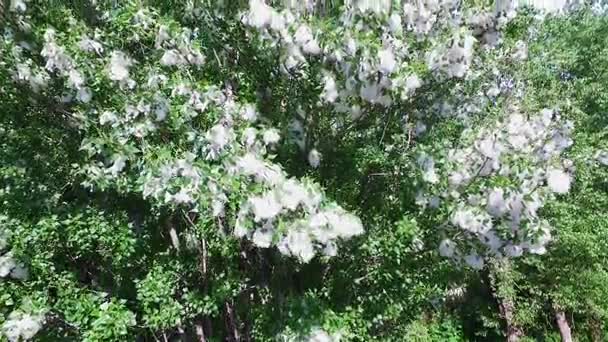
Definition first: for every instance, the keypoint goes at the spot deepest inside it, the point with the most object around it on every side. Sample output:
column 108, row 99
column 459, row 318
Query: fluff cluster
column 308, row 225
column 454, row 60
column 495, row 185
column 421, row 16
column 9, row 266
column 282, row 27
column 290, row 214
column 26, row 72
column 183, row 145
column 375, row 6
column 370, row 62
column 118, row 69
column 18, row 326
column 21, row 326
column 178, row 50
column 356, row 71
column 144, row 118
column 58, row 61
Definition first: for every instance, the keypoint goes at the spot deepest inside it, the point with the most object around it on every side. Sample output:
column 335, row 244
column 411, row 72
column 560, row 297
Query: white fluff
column 260, row 14
column 21, row 326
column 314, row 158
column 266, row 207
column 119, row 66
column 559, row 181
column 387, row 61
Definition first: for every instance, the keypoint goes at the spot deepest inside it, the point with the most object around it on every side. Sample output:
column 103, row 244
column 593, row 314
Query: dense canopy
column 201, row 170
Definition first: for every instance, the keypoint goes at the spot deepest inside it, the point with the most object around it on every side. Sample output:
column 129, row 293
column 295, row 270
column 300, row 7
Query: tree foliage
column 250, row 171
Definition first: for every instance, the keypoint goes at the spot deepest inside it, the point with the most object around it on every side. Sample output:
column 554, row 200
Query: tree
column 246, row 171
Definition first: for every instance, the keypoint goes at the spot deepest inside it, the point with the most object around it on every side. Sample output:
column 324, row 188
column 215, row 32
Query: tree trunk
column 563, row 326
column 202, row 326
column 232, row 328
column 502, row 291
column 507, row 310
column 200, row 332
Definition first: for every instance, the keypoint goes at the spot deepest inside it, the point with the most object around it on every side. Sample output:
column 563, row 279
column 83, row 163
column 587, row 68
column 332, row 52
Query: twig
column 388, row 120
